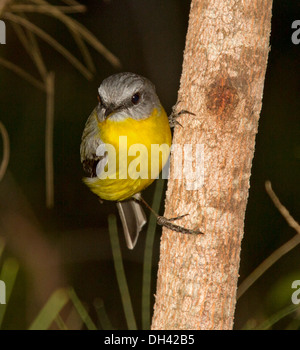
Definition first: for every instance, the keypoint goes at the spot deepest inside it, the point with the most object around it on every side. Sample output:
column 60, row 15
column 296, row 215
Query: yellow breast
column 142, row 149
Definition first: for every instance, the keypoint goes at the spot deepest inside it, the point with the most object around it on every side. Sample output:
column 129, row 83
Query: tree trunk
column 222, row 82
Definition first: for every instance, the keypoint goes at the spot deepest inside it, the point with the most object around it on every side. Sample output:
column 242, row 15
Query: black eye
column 135, row 98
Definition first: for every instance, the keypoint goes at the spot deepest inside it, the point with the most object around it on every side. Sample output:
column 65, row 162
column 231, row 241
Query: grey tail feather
column 133, row 219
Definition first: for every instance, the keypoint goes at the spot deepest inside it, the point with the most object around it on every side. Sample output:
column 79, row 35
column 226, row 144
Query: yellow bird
column 125, row 144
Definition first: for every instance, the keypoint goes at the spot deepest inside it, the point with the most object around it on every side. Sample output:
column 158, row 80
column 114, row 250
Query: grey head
column 126, row 95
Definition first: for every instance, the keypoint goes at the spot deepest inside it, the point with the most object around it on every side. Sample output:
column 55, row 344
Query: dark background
column 148, row 37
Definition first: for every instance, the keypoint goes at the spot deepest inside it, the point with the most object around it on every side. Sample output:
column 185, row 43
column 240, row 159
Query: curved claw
column 174, row 115
column 177, row 217
column 184, row 111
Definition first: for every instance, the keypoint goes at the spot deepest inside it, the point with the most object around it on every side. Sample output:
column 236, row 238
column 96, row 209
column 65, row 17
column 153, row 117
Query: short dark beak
column 109, row 110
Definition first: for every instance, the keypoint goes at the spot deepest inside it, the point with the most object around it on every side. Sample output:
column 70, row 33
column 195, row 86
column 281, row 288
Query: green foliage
column 51, row 310
column 51, row 314
column 120, row 273
column 280, row 292
column 81, row 310
column 8, row 274
column 146, row 288
column 267, row 324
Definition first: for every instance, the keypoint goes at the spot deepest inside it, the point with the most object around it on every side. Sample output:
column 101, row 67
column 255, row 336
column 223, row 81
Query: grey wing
column 92, row 149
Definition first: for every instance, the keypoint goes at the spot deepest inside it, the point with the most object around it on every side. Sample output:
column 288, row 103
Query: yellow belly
column 134, row 171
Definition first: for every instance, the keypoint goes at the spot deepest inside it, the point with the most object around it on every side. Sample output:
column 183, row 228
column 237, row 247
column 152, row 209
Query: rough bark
column 222, row 82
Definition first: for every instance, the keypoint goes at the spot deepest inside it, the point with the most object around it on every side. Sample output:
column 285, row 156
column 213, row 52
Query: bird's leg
column 162, row 221
column 174, row 115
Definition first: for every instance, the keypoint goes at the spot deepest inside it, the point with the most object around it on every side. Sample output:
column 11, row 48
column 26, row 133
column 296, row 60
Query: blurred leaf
column 82, row 311
column 146, row 287
column 61, row 324
column 45, row 8
column 120, row 273
column 22, row 73
column 2, row 245
column 8, row 275
column 51, row 41
column 78, row 29
column 51, row 310
column 102, row 315
column 279, row 294
column 278, row 316
column 58, row 12
column 6, row 151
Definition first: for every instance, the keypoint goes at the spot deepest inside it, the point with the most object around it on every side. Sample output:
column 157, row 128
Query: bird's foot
column 161, row 220
column 174, row 115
